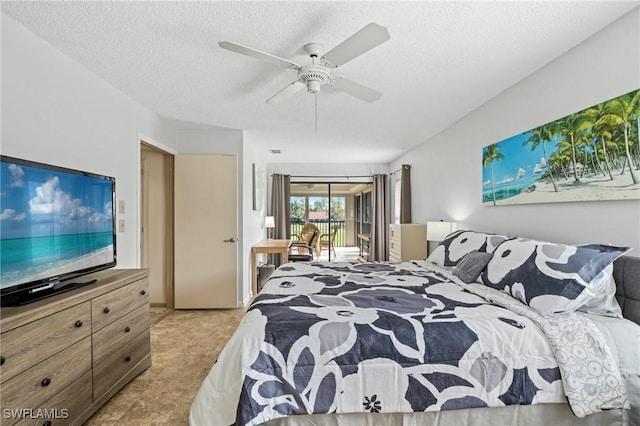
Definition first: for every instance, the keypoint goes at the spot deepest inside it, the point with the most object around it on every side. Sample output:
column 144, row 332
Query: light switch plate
column 121, row 225
column 121, row 206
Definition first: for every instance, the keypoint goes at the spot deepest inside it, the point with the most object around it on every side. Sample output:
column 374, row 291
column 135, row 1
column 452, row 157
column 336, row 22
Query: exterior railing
column 323, row 227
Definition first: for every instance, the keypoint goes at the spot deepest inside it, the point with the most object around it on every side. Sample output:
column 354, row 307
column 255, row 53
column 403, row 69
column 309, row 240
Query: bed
column 487, row 330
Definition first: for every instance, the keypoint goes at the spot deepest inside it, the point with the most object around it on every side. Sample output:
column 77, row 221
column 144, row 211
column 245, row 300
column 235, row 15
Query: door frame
column 169, row 153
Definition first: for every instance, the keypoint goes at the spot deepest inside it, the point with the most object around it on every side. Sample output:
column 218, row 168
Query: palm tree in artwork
column 538, row 136
column 558, row 161
column 600, row 131
column 491, row 154
column 570, row 127
column 621, row 112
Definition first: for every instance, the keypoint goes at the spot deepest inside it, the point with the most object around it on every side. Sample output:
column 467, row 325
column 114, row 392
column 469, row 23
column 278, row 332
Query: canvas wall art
column 258, row 186
column 593, row 154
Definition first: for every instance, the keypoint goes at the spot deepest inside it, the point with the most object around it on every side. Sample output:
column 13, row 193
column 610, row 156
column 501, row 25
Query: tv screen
column 56, row 224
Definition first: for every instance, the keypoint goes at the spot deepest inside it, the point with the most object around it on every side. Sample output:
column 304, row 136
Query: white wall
column 446, row 171
column 55, row 111
column 256, row 153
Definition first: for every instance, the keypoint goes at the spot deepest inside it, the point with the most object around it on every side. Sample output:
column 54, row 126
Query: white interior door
column 206, row 231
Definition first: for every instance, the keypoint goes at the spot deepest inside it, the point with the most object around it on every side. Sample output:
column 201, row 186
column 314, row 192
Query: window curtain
column 405, row 194
column 379, row 249
column 280, row 210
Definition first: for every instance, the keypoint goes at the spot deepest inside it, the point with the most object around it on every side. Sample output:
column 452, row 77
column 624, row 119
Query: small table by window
column 266, row 246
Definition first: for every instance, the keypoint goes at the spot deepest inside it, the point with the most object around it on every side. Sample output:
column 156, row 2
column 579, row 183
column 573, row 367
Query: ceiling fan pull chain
column 316, row 113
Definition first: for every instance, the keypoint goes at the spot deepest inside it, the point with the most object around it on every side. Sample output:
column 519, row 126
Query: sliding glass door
column 331, row 207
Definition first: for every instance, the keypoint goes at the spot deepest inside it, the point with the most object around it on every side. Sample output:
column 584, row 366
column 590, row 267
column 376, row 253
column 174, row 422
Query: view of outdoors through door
column 332, row 209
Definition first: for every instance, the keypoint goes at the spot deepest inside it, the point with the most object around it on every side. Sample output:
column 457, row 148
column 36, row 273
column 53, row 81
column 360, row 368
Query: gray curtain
column 405, row 194
column 379, row 249
column 280, row 210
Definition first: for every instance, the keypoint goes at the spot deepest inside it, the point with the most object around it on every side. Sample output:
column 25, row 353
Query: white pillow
column 604, row 302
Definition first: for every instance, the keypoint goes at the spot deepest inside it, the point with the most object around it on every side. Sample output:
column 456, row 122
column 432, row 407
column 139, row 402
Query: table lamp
column 269, row 222
column 437, row 231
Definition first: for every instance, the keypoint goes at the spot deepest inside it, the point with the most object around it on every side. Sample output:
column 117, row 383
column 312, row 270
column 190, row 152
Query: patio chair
column 327, row 241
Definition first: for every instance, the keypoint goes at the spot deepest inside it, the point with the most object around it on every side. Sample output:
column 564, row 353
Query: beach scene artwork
column 590, row 155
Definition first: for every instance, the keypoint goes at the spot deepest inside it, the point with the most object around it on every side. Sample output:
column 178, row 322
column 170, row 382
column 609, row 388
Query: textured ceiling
column 443, row 60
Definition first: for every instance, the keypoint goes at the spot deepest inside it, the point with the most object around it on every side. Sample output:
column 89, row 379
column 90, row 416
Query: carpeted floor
column 184, row 346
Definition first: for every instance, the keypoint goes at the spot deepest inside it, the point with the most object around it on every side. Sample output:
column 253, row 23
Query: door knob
column 230, row 240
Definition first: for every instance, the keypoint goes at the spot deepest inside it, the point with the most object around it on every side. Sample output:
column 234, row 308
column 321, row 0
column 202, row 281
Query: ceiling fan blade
column 290, row 90
column 257, row 54
column 364, row 40
column 355, row 89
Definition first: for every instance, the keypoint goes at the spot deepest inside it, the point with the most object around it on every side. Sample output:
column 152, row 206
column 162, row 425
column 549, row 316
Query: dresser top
column 107, row 280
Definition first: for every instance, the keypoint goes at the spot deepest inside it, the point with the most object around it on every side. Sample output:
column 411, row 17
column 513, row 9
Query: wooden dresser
column 63, row 357
column 407, row 241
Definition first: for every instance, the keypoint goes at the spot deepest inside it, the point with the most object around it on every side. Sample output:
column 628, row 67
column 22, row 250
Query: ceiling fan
column 319, row 72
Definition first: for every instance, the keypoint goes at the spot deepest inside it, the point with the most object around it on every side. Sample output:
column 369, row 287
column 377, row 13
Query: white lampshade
column 269, row 222
column 437, row 231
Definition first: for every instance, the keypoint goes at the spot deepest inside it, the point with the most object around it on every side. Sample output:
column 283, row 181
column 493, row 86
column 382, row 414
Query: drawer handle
column 47, row 423
column 127, row 358
column 2, row 359
column 106, row 310
column 143, row 292
column 46, row 382
column 127, row 329
column 78, row 323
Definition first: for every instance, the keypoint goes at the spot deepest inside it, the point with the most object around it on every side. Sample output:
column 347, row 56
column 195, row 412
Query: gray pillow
column 471, row 265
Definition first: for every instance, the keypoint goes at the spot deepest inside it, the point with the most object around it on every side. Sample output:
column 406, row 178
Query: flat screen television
column 56, row 225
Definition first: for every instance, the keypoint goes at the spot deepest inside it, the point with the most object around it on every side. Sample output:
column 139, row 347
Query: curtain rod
column 400, row 169
column 331, row 176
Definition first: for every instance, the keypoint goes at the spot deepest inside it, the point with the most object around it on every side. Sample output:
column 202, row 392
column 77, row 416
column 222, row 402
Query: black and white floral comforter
column 384, row 337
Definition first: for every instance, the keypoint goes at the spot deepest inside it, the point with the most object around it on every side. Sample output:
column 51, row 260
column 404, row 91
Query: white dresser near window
column 407, row 241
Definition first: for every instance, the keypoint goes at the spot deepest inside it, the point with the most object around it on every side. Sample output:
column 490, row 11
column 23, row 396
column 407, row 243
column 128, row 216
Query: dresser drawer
column 63, row 408
column 117, row 364
column 34, row 342
column 111, row 306
column 44, row 380
column 395, row 245
column 118, row 333
column 394, row 232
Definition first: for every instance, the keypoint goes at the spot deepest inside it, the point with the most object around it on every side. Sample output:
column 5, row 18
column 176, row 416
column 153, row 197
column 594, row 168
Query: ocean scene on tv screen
column 52, row 223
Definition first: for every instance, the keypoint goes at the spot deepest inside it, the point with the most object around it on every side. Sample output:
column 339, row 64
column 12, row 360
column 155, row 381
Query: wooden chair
column 327, row 241
column 308, row 256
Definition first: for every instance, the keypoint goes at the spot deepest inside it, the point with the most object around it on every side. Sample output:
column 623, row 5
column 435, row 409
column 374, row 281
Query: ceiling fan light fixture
column 314, row 76
column 313, row 86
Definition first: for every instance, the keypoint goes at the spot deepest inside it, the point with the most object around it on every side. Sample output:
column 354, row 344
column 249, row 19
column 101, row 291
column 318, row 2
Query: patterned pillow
column 551, row 278
column 457, row 244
